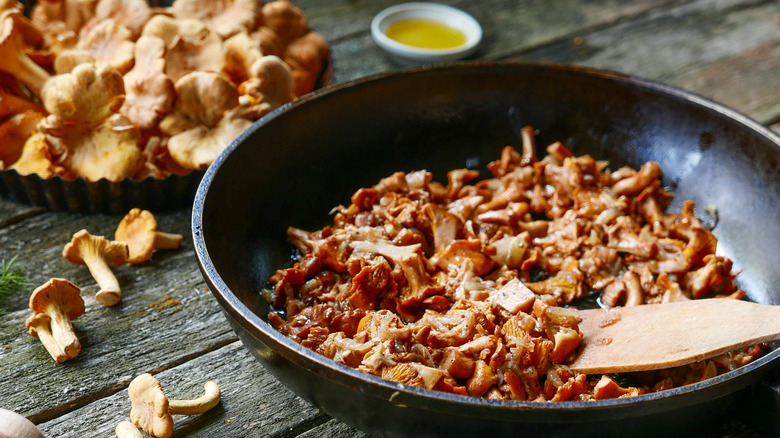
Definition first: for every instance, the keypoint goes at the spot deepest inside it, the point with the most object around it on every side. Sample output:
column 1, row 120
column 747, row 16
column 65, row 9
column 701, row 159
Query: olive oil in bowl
column 418, row 33
column 425, row 34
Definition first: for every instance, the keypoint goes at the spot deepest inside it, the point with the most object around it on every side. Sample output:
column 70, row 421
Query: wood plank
column 253, row 402
column 165, row 300
column 509, row 27
column 504, row 23
column 334, row 429
column 733, row 59
column 14, row 212
column 747, row 81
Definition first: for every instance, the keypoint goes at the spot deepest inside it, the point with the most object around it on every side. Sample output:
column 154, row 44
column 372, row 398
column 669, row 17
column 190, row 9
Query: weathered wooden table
column 169, row 324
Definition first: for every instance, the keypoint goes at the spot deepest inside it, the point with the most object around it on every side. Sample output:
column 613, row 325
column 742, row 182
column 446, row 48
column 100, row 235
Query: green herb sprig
column 11, row 282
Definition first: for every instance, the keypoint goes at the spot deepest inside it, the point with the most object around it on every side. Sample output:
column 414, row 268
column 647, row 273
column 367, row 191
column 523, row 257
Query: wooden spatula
column 657, row 336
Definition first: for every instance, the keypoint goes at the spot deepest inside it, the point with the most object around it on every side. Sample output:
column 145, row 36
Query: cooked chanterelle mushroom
column 84, row 127
column 17, row 426
column 151, row 410
column 97, row 253
column 139, row 230
column 54, row 305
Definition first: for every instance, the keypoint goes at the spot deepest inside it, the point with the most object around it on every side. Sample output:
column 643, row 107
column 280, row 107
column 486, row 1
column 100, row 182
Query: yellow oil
column 425, row 34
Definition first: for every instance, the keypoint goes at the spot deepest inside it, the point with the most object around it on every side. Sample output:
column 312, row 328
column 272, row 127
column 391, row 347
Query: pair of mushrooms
column 57, row 302
column 136, row 240
column 151, row 410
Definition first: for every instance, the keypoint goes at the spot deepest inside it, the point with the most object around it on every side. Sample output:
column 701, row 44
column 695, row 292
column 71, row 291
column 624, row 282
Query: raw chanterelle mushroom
column 62, row 19
column 241, row 51
column 132, row 14
column 204, row 121
column 149, row 91
column 84, row 126
column 17, row 426
column 127, row 429
column 15, row 61
column 37, row 158
column 97, row 253
column 168, row 28
column 269, row 87
column 11, row 104
column 14, row 132
column 151, row 410
column 139, row 230
column 109, row 42
column 54, row 305
column 185, row 55
column 225, row 17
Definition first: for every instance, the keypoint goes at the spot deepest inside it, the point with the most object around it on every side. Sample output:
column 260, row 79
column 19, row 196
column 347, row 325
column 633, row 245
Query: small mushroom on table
column 139, row 230
column 97, row 253
column 151, row 410
column 54, row 305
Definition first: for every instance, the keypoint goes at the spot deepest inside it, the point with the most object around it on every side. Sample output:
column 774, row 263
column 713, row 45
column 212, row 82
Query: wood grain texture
column 14, row 212
column 334, row 429
column 509, row 27
column 253, row 403
column 730, row 60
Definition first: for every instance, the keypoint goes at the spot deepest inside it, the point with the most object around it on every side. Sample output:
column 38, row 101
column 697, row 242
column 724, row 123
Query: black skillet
column 293, row 166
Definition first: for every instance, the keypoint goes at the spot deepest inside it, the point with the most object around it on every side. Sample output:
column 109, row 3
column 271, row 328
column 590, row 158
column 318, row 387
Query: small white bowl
column 448, row 15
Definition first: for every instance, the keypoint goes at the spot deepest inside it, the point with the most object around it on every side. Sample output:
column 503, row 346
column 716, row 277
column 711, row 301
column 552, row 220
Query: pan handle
column 762, row 407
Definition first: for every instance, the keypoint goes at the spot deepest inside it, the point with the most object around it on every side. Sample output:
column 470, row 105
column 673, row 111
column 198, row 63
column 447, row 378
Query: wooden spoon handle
column 658, row 336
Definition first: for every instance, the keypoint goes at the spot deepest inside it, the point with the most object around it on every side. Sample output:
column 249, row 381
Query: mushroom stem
column 109, row 293
column 199, row 405
column 51, row 345
column 62, row 331
column 168, row 240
